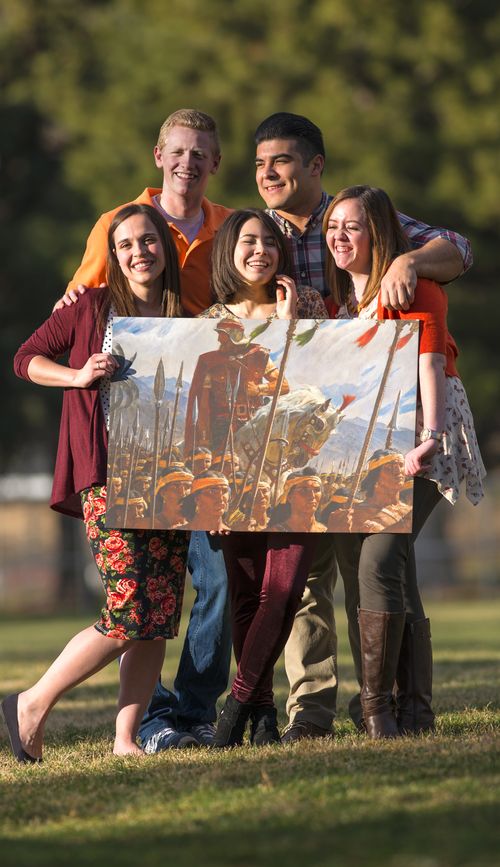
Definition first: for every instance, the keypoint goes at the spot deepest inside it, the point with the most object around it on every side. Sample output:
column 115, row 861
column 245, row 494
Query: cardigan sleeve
column 53, row 339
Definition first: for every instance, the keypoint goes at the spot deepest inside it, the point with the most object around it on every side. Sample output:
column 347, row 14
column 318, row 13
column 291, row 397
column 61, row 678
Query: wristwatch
column 428, row 434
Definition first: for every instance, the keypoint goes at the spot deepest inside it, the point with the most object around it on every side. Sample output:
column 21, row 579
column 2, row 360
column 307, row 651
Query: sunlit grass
column 431, row 801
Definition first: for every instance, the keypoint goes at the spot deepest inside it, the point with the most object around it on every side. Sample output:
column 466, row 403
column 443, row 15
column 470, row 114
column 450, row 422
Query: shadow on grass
column 465, row 836
column 73, row 784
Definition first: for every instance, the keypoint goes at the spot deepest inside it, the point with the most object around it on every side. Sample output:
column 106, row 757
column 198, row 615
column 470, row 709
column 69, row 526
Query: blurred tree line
column 406, row 95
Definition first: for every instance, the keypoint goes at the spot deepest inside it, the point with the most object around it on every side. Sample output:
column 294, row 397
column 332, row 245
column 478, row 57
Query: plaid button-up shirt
column 308, row 248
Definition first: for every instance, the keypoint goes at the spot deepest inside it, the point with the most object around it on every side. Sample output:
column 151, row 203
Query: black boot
column 231, row 723
column 414, row 680
column 381, row 633
column 264, row 728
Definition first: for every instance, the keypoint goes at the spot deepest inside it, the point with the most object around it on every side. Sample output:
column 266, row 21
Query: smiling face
column 187, row 159
column 283, row 179
column 139, row 251
column 348, row 238
column 256, row 254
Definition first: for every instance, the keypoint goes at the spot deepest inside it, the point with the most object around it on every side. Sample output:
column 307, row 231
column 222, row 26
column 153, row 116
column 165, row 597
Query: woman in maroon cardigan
column 142, row 570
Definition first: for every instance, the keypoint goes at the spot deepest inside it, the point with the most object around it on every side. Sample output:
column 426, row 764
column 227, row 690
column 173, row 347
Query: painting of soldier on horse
column 281, row 425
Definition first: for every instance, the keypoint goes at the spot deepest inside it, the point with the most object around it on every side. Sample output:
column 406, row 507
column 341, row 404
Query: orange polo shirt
column 194, row 258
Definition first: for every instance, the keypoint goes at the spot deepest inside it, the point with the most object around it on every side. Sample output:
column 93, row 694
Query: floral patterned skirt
column 142, row 571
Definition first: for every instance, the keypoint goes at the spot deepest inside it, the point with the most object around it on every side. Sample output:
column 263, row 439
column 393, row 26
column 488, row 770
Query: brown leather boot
column 414, row 680
column 381, row 633
column 355, row 709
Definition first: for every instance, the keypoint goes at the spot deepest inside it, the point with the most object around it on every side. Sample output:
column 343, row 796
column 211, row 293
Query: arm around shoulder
column 92, row 269
column 439, row 259
column 421, row 234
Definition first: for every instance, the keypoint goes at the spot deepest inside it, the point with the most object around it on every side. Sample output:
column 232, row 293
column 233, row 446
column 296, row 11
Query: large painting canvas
column 297, row 426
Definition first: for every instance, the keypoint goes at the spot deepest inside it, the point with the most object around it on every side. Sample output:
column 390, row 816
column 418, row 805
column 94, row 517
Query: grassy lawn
column 427, row 802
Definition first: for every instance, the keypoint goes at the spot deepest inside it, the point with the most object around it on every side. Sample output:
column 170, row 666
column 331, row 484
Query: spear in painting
column 231, row 449
column 166, row 429
column 178, row 389
column 133, row 450
column 115, row 420
column 393, row 423
column 230, row 404
column 397, row 343
column 194, row 421
column 282, row 438
column 231, row 431
column 231, row 394
column 113, row 457
column 159, row 392
column 272, row 412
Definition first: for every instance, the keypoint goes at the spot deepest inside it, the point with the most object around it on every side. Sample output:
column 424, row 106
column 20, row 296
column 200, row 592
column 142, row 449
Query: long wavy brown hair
column 119, row 294
column 386, row 236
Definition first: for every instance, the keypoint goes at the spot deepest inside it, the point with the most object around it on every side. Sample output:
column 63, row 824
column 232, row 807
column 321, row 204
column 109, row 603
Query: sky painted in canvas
column 332, row 360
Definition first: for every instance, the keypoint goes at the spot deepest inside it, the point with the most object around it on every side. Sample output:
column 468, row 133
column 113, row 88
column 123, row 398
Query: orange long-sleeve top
column 430, row 307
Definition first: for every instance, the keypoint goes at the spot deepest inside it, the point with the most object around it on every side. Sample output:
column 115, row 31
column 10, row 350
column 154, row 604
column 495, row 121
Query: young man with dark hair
column 290, row 159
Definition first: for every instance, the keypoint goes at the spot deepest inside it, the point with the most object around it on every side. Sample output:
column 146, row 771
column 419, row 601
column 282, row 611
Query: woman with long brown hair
column 363, row 236
column 267, row 572
column 142, row 570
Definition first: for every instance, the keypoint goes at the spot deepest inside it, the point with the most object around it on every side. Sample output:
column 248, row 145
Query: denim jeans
column 203, row 671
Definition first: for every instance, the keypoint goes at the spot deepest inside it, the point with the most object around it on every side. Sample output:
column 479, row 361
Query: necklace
column 244, row 314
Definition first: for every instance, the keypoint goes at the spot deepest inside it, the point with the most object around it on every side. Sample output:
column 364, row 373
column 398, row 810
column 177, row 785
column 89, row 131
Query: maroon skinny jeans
column 267, row 573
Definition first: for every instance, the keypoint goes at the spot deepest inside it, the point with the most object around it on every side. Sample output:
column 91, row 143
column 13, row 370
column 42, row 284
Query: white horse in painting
column 303, row 422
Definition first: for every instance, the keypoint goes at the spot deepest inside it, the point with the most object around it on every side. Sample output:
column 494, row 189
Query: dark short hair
column 285, row 125
column 226, row 279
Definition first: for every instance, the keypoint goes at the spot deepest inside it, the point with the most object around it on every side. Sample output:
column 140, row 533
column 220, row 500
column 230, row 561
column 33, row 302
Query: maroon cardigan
column 83, row 441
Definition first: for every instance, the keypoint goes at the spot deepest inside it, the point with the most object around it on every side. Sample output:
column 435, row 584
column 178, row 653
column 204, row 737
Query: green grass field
column 427, row 802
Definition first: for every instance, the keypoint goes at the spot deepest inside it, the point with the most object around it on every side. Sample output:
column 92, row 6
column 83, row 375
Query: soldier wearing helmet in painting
column 229, row 385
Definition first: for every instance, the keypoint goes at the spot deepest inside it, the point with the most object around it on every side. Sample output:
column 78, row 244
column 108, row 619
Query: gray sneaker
column 169, row 738
column 203, row 732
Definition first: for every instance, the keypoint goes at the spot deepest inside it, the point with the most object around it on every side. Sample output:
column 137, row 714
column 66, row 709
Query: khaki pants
column 311, row 650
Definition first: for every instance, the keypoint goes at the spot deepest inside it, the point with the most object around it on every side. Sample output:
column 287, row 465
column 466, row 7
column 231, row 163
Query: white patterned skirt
column 458, row 459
